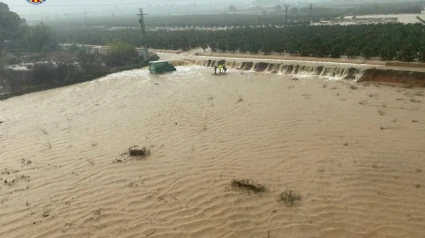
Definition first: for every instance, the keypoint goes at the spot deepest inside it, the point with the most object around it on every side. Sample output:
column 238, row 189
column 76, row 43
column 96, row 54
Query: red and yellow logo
column 36, row 2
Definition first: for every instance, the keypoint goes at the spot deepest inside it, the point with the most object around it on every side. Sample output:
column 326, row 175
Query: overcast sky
column 52, row 8
column 75, row 8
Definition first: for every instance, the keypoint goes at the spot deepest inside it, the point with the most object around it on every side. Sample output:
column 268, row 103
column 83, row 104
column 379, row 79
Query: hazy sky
column 75, row 8
column 52, row 8
column 55, row 7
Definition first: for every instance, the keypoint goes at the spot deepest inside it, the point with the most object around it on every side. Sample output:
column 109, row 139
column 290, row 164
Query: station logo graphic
column 36, row 2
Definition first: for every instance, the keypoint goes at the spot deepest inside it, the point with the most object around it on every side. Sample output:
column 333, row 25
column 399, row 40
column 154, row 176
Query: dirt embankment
column 405, row 64
column 394, row 76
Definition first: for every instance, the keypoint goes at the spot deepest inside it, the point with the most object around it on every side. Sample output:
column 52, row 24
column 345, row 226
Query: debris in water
column 362, row 102
column 118, row 161
column 290, row 197
column 25, row 162
column 415, row 100
column 134, row 151
column 248, row 185
column 46, row 213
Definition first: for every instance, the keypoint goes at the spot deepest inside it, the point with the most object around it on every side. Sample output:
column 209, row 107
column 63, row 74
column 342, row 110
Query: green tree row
column 262, row 16
column 15, row 34
column 404, row 42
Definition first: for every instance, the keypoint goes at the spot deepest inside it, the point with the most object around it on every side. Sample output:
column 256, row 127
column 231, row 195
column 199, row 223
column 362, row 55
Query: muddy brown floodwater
column 355, row 154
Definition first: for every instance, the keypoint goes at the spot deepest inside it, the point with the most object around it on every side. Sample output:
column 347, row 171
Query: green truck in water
column 157, row 67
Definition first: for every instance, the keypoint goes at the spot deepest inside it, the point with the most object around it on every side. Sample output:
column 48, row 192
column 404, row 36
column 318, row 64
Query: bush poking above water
column 143, row 152
column 362, row 102
column 290, row 197
column 248, row 185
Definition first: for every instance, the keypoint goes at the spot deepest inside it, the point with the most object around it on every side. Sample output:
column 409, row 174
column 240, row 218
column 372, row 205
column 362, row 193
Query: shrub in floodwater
column 290, row 197
column 121, row 54
column 135, row 152
column 248, row 185
column 420, row 94
column 414, row 100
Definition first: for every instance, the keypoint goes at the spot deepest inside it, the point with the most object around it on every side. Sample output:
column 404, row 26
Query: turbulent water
column 342, row 71
column 399, row 73
column 353, row 152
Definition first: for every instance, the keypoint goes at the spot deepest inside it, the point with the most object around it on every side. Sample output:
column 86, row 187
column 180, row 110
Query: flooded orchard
column 353, row 152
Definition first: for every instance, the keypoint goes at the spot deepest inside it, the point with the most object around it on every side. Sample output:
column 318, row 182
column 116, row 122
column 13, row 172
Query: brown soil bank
column 405, row 64
column 394, row 76
column 344, row 71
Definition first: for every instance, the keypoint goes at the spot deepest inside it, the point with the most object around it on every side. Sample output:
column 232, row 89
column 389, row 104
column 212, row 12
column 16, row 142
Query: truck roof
column 158, row 61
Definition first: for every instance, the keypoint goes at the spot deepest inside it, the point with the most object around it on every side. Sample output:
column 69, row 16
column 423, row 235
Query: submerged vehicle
column 157, row 67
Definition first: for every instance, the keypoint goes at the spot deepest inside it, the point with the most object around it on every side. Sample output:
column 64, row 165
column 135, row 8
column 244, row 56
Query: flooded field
column 401, row 18
column 354, row 153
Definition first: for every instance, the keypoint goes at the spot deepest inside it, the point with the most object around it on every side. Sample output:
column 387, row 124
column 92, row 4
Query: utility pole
column 286, row 12
column 142, row 25
column 311, row 8
column 85, row 14
column 143, row 30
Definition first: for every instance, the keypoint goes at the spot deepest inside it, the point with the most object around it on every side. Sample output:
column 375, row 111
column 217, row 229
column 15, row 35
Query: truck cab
column 157, row 67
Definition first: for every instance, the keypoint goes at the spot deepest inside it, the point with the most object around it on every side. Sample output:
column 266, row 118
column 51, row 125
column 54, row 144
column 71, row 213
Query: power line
column 142, row 25
column 286, row 12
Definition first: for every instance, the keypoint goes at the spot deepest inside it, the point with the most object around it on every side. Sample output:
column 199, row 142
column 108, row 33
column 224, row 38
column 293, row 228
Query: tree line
column 17, row 38
column 50, row 65
column 404, row 42
column 262, row 16
column 17, row 34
